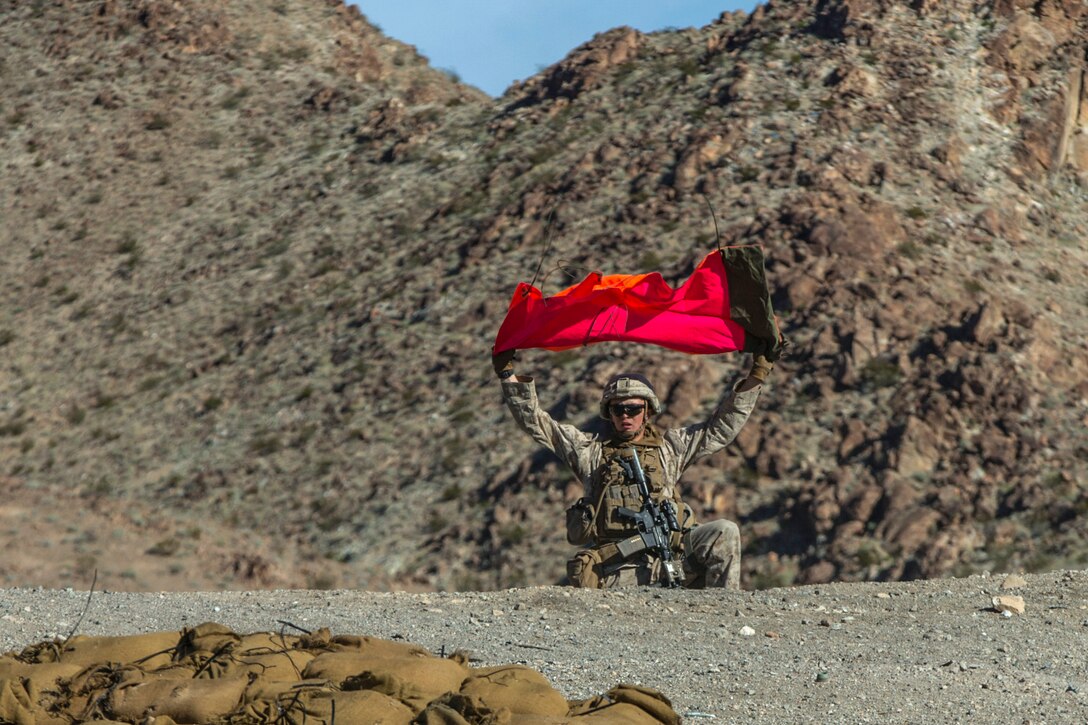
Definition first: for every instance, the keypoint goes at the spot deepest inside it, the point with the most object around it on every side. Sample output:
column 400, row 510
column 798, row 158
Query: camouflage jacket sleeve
column 580, row 451
column 695, row 441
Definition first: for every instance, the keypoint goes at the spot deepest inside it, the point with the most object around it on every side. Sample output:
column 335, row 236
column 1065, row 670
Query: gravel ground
column 930, row 651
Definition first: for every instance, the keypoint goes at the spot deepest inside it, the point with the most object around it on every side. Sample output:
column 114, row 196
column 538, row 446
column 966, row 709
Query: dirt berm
column 926, row 651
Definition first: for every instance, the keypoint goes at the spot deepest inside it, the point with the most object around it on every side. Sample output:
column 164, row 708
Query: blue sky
column 492, row 43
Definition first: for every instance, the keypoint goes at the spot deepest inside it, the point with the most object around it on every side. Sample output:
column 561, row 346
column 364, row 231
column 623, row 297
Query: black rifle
column 655, row 522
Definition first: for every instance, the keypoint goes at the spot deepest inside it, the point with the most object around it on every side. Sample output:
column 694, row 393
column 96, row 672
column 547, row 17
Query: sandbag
column 209, row 675
column 279, row 702
column 278, row 667
column 458, row 709
column 616, row 713
column 359, row 706
column 150, row 650
column 40, row 676
column 374, row 646
column 627, row 704
column 265, row 642
column 519, row 689
column 208, row 637
column 648, row 699
column 15, row 704
column 215, row 651
column 413, row 681
column 424, row 674
column 191, row 701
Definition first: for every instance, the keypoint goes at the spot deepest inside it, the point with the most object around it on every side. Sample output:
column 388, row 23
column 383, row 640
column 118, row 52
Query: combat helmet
column 629, row 385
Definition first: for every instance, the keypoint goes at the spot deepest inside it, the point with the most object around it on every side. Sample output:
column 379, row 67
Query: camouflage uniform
column 711, row 550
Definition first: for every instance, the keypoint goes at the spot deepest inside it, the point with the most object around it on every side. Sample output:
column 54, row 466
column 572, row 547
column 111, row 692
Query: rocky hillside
column 256, row 254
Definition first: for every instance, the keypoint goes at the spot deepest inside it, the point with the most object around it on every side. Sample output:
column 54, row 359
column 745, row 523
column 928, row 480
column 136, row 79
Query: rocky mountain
column 255, row 255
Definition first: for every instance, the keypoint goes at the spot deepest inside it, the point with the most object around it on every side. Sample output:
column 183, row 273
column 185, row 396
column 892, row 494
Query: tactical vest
column 620, row 492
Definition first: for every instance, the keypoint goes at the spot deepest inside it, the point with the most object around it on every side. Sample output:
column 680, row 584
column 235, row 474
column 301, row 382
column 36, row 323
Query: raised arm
column 571, row 445
column 695, row 441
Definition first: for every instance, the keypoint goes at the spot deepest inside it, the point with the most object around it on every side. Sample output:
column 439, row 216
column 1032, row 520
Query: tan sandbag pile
column 209, row 674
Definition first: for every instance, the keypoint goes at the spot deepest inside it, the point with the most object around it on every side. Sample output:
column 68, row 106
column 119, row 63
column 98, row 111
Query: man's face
column 627, row 415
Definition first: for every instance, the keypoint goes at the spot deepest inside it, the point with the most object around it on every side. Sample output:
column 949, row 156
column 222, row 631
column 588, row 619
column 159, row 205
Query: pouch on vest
column 617, row 493
column 580, row 522
column 583, row 569
column 620, row 492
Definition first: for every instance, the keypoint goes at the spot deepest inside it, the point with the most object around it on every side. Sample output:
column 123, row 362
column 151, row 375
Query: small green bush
column 275, row 247
column 512, row 534
column 910, row 250
column 127, row 245
column 75, row 415
column 688, row 67
column 157, row 122
column 297, row 54
column 264, row 445
column 973, row 286
column 878, row 373
column 166, row 547
column 13, row 429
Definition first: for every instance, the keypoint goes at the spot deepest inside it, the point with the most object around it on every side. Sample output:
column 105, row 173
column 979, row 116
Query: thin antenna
column 82, row 614
column 717, row 234
column 547, row 246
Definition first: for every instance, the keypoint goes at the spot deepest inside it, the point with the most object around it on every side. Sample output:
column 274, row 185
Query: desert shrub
column 210, row 140
column 322, row 581
column 543, row 153
column 650, row 261
column 772, row 579
column 127, row 245
column 564, row 358
column 150, row 383
column 462, row 411
column 261, row 142
column 264, row 444
column 166, row 547
column 512, row 534
column 747, row 173
column 297, row 54
column 12, row 429
column 435, row 523
column 688, row 67
column 66, row 296
column 910, row 250
column 878, row 373
column 870, row 553
column 157, row 122
column 75, row 415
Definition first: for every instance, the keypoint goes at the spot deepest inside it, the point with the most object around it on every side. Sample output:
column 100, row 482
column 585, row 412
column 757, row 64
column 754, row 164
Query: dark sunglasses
column 618, row 410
